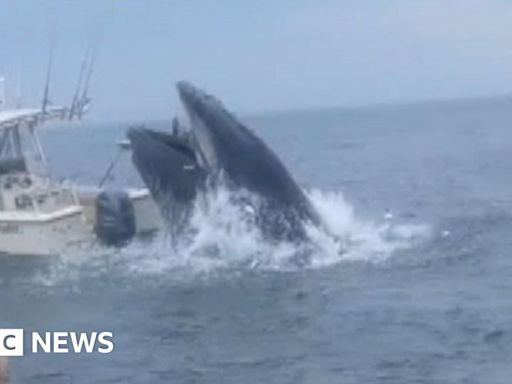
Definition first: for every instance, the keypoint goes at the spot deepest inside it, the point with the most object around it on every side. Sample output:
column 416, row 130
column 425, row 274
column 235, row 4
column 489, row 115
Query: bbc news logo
column 12, row 342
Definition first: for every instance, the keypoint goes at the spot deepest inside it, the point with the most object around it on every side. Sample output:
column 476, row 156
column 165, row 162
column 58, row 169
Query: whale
column 217, row 150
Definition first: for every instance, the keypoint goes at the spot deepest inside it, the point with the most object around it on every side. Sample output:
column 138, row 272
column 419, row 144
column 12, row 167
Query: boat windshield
column 13, row 165
column 19, row 152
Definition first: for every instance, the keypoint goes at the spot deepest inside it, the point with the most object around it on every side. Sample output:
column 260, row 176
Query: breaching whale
column 219, row 148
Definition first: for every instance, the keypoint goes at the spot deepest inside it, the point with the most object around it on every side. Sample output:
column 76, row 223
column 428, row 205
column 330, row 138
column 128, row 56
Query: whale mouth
column 201, row 115
column 144, row 141
column 167, row 163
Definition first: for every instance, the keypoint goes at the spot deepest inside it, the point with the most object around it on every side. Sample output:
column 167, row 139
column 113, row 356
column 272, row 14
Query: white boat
column 42, row 216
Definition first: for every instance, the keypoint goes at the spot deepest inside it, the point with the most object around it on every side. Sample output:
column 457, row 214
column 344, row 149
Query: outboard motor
column 115, row 218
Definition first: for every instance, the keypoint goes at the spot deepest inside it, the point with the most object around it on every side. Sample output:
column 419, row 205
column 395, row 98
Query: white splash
column 223, row 237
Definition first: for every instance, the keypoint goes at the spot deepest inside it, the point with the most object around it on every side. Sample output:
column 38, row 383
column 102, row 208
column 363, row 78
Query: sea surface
column 420, row 291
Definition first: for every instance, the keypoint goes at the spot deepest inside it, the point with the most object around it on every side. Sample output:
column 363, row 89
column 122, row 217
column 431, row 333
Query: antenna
column 19, row 99
column 46, row 100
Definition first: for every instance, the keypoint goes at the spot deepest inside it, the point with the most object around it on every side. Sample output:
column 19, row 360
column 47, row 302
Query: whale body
column 219, row 148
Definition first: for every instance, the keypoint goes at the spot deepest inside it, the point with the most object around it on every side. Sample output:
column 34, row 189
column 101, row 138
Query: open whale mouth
column 167, row 163
column 147, row 143
column 207, row 124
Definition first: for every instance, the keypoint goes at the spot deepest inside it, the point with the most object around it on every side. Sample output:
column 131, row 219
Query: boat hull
column 43, row 234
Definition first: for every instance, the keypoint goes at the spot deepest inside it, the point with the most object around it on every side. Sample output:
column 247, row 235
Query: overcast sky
column 259, row 55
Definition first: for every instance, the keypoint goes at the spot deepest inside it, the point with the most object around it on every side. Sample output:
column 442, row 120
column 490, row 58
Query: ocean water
column 420, row 293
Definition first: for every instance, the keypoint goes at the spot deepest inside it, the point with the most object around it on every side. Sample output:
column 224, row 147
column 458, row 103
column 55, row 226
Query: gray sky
column 259, row 55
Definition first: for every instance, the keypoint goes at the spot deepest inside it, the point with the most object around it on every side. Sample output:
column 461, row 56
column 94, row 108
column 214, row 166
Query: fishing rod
column 83, row 68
